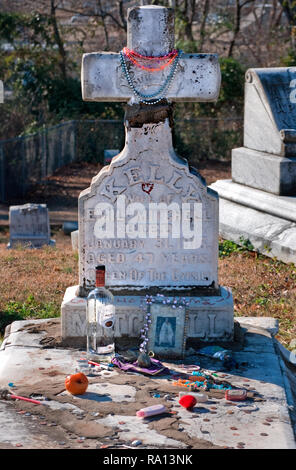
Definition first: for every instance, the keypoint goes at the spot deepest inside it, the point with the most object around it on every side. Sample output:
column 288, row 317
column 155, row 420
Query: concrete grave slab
column 16, row 432
column 283, row 207
column 106, row 392
column 262, row 423
column 271, row 235
column 137, row 427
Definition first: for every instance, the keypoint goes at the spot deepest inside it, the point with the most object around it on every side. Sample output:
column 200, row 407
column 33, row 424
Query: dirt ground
column 61, row 190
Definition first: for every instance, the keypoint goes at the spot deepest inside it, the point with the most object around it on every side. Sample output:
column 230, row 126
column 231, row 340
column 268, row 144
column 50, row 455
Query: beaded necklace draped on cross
column 135, row 57
column 173, row 58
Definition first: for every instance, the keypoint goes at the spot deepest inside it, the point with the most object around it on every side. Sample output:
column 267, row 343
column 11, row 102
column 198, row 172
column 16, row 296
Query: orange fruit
column 76, row 384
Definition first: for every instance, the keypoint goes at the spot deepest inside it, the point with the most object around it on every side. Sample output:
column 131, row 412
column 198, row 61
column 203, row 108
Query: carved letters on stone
column 202, row 324
column 155, row 255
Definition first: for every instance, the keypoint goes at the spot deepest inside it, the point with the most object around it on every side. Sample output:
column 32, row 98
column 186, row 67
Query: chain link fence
column 29, row 160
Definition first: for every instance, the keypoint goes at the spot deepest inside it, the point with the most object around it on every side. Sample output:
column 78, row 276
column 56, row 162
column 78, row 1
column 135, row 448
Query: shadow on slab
column 94, row 397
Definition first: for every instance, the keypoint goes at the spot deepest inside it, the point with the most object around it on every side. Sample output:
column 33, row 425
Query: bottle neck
column 100, row 278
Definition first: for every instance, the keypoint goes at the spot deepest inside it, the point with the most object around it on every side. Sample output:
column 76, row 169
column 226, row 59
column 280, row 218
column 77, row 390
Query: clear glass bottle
column 100, row 317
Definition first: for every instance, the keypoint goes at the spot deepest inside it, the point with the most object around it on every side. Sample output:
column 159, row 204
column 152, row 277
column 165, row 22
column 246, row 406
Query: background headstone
column 74, row 240
column 29, row 226
column 259, row 203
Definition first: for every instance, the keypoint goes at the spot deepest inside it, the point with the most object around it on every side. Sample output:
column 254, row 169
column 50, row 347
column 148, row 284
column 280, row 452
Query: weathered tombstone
column 74, row 240
column 259, row 203
column 109, row 154
column 148, row 216
column 29, row 226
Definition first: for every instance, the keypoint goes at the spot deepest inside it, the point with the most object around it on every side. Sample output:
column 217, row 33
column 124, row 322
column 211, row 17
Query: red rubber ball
column 187, row 401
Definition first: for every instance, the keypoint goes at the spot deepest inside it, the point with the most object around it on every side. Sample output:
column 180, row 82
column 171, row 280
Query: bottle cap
column 100, row 276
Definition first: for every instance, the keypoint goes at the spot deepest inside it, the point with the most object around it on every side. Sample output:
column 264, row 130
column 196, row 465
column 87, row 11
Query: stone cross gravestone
column 259, row 203
column 29, row 226
column 148, row 216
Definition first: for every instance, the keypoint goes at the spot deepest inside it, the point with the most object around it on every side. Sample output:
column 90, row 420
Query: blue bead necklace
column 163, row 90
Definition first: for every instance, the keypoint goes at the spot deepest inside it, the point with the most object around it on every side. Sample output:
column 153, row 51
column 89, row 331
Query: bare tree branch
column 237, row 22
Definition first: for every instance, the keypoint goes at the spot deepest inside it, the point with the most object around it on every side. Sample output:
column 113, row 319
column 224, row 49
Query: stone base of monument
column 267, row 220
column 108, row 409
column 209, row 318
column 272, row 173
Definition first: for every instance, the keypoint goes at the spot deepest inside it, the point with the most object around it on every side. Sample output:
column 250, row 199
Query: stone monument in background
column 259, row 203
column 29, row 226
column 148, row 216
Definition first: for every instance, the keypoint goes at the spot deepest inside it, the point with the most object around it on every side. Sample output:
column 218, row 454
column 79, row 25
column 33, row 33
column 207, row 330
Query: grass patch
column 68, row 270
column 30, row 308
column 34, row 283
column 262, row 287
column 227, row 247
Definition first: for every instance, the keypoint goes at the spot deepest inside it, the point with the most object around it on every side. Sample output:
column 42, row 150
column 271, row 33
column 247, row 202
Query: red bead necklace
column 132, row 55
column 146, row 57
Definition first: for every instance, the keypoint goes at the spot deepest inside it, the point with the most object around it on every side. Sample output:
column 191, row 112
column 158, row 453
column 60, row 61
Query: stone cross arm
column 197, row 78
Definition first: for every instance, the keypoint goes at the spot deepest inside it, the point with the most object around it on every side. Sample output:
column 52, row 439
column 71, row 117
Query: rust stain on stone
column 137, row 115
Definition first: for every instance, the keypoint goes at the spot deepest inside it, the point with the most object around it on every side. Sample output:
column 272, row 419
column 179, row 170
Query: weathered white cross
column 147, row 169
column 150, row 32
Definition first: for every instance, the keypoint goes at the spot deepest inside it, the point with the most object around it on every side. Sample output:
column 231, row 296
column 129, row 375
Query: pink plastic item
column 16, row 397
column 151, row 411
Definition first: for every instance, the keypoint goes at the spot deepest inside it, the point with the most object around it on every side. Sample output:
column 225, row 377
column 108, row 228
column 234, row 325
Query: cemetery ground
column 36, row 280
column 34, row 284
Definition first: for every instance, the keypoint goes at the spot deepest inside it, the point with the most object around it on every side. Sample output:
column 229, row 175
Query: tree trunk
column 289, row 8
column 202, row 33
column 58, row 39
column 104, row 25
column 236, row 27
column 189, row 9
column 122, row 15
